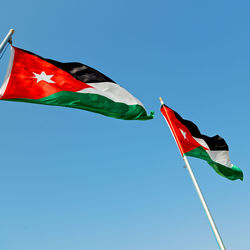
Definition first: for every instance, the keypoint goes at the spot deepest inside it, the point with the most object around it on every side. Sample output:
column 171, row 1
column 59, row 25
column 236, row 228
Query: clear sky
column 72, row 179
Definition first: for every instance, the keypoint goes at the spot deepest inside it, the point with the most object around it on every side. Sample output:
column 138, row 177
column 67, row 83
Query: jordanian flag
column 191, row 142
column 31, row 78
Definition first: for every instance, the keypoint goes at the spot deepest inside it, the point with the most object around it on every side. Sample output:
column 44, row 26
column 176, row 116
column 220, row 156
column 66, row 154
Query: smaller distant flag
column 34, row 79
column 191, row 142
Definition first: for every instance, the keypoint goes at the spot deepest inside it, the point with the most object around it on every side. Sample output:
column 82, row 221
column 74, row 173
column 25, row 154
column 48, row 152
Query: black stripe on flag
column 79, row 71
column 216, row 142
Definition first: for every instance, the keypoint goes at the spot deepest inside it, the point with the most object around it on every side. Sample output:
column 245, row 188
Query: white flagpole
column 210, row 218
column 203, row 202
column 6, row 40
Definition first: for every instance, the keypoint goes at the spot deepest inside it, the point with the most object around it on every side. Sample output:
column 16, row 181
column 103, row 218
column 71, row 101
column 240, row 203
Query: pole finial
column 11, row 32
column 162, row 103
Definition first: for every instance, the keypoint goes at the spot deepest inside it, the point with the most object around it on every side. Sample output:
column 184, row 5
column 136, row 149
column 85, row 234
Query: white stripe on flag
column 219, row 156
column 112, row 91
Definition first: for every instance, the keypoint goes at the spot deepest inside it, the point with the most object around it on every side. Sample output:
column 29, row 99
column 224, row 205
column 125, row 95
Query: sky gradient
column 72, row 179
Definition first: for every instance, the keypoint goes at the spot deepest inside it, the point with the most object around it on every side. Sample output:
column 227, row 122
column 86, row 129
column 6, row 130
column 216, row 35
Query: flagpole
column 210, row 218
column 6, row 40
column 198, row 190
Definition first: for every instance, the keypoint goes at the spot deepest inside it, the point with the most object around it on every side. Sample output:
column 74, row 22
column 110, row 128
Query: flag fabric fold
column 191, row 142
column 31, row 78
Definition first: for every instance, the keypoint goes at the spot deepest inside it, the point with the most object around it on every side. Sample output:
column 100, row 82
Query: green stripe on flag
column 232, row 173
column 92, row 102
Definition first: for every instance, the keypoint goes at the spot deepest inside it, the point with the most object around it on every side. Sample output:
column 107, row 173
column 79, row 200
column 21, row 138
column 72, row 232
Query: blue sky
column 71, row 179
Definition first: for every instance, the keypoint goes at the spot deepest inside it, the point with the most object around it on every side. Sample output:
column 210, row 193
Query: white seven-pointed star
column 43, row 77
column 184, row 134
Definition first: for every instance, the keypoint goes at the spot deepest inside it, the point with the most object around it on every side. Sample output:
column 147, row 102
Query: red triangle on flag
column 33, row 78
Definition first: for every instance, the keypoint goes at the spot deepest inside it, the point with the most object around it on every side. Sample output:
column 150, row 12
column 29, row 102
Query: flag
column 192, row 143
column 31, row 78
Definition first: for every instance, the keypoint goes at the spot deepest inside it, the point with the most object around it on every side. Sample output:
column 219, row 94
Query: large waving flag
column 192, row 143
column 31, row 78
